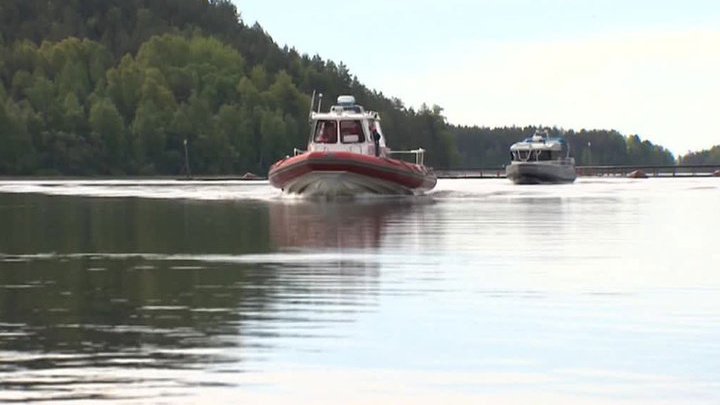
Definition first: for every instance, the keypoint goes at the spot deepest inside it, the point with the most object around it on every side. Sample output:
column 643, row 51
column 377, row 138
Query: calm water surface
column 603, row 291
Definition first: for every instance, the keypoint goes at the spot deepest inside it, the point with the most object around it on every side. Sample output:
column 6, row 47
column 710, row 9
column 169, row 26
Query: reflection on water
column 68, row 312
column 598, row 292
column 44, row 224
column 337, row 225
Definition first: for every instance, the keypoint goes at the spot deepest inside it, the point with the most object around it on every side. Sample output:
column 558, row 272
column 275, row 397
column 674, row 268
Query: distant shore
column 471, row 173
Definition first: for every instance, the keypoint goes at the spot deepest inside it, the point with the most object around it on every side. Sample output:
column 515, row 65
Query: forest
column 704, row 157
column 119, row 87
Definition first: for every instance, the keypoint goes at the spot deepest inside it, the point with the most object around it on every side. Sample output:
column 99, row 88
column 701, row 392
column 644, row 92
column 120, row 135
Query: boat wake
column 447, row 190
column 284, row 258
column 151, row 189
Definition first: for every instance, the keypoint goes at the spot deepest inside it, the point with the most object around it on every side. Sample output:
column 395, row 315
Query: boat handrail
column 419, row 154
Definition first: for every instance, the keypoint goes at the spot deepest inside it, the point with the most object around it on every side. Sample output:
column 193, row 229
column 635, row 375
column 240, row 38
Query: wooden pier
column 595, row 171
column 651, row 171
column 487, row 173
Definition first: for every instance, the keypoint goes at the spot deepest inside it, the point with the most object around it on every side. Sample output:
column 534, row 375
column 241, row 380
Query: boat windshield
column 351, row 131
column 535, row 155
column 326, row 131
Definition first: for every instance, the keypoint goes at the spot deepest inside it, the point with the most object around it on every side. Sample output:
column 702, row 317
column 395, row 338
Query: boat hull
column 540, row 173
column 347, row 174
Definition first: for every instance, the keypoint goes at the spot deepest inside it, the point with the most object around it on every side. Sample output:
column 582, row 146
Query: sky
column 650, row 68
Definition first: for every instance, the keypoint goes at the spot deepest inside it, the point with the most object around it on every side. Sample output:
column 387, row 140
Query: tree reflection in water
column 88, row 282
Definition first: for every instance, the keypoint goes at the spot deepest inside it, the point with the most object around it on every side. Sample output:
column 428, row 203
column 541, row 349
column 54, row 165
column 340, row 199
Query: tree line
column 119, row 87
column 589, row 147
column 704, row 157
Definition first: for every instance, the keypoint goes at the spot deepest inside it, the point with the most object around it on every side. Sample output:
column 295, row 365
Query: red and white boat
column 347, row 155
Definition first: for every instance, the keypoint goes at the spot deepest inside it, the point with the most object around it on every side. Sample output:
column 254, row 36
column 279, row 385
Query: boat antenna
column 319, row 101
column 312, row 104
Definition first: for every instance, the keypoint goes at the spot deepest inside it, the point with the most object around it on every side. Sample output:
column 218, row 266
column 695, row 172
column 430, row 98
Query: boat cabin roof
column 346, row 109
column 540, row 143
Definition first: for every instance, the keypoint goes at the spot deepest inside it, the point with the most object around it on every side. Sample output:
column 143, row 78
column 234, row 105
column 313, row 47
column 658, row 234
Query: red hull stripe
column 391, row 170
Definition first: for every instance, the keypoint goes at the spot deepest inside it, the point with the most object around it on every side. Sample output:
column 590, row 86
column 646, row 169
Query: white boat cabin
column 347, row 127
column 539, row 147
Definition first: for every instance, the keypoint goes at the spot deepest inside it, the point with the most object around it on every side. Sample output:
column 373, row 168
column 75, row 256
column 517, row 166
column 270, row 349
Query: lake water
column 603, row 291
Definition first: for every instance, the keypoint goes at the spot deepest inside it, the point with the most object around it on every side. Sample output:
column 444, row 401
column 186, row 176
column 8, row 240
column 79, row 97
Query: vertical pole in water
column 187, row 160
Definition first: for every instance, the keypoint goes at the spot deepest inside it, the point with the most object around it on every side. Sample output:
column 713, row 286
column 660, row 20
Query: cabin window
column 351, row 131
column 326, row 131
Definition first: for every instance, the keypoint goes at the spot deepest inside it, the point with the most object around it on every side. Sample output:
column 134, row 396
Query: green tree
column 190, row 69
column 124, row 87
column 236, row 125
column 107, row 126
column 42, row 95
column 704, row 157
column 273, row 145
column 259, row 78
column 152, row 120
column 248, row 94
column 73, row 115
column 17, row 153
column 148, row 130
column 283, row 94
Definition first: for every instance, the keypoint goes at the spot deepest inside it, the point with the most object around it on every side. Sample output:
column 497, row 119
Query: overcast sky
column 642, row 67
